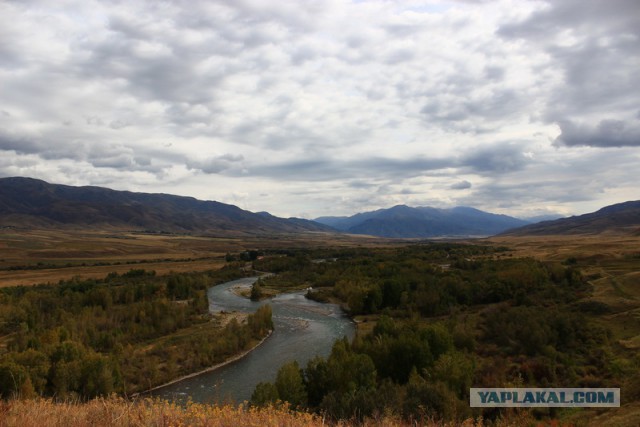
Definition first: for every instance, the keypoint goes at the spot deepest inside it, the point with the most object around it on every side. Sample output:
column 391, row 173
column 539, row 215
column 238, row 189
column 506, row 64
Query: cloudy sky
column 313, row 107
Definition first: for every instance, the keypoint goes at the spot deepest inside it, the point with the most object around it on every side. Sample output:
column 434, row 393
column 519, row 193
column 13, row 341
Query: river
column 303, row 329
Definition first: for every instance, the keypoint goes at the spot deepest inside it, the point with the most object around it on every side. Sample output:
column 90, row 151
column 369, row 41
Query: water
column 303, row 329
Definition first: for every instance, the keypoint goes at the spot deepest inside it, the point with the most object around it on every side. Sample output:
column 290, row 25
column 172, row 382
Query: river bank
column 303, row 329
column 206, row 370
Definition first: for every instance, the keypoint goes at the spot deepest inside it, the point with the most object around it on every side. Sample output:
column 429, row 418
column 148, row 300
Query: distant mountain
column 404, row 221
column 540, row 218
column 26, row 202
column 622, row 218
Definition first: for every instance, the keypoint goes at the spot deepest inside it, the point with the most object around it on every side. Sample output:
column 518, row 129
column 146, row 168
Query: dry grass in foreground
column 119, row 412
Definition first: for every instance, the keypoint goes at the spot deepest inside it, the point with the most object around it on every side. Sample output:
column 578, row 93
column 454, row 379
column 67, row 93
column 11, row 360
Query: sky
column 328, row 107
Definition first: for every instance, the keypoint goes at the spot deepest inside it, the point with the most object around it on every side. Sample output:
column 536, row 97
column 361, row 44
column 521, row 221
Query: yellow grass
column 559, row 248
column 123, row 413
column 53, row 276
column 112, row 412
column 127, row 250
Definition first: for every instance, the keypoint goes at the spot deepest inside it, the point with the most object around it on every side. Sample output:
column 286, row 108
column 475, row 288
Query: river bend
column 303, row 329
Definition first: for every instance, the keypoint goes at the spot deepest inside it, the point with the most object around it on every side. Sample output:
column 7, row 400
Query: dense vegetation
column 443, row 318
column 433, row 321
column 126, row 333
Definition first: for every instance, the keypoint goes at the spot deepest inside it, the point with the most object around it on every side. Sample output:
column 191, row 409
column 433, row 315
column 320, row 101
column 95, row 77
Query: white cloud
column 328, row 107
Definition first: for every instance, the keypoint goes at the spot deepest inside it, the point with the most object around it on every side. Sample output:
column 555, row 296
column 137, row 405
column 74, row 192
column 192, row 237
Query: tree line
column 125, row 333
column 447, row 317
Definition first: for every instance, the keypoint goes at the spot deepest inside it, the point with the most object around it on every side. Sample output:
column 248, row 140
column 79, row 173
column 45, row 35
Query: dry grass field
column 112, row 412
column 559, row 248
column 29, row 257
column 33, row 257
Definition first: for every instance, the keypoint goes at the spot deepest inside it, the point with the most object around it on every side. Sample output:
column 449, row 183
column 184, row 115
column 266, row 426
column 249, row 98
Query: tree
column 317, row 380
column 256, row 291
column 12, row 378
column 290, row 385
column 265, row 394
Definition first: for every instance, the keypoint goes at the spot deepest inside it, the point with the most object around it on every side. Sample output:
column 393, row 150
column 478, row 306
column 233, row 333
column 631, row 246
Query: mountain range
column 32, row 203
column 403, row 221
column 27, row 202
column 621, row 218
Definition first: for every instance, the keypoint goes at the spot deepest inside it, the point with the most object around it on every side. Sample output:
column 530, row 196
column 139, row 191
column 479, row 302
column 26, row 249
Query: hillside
column 26, row 202
column 621, row 218
column 405, row 221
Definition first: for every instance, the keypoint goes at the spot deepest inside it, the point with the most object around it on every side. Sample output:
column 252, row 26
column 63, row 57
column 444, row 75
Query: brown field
column 34, row 277
column 54, row 255
column 559, row 248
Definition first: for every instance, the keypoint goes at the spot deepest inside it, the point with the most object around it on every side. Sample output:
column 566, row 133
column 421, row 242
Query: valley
column 32, row 256
column 91, row 310
column 609, row 266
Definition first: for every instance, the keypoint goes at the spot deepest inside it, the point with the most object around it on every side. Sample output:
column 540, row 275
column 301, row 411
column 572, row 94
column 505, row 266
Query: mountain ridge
column 619, row 218
column 35, row 203
column 402, row 221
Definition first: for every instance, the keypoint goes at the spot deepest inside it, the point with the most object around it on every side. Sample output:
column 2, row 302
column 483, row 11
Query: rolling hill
column 405, row 222
column 621, row 218
column 27, row 202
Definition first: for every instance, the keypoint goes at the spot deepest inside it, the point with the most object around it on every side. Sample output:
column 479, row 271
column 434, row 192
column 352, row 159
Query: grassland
column 29, row 257
column 610, row 262
column 116, row 412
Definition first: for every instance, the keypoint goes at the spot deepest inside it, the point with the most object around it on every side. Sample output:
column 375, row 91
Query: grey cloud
column 571, row 179
column 596, row 79
column 19, row 144
column 408, row 191
column 498, row 103
column 307, row 170
column 51, row 148
column 299, row 16
column 303, row 54
column 63, row 145
column 326, row 169
column 121, row 161
column 122, row 158
column 94, row 121
column 216, row 165
column 496, row 159
column 619, row 15
column 402, row 167
column 119, row 124
column 361, row 184
column 400, row 55
column 500, row 158
column 142, row 161
column 596, row 46
column 460, row 110
column 494, row 73
column 157, row 61
column 531, row 193
column 402, row 29
column 608, row 133
column 462, row 185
